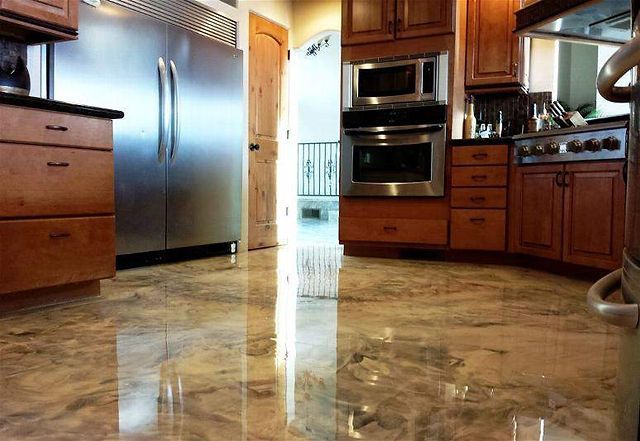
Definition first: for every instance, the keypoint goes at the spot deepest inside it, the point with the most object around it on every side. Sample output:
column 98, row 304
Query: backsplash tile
column 516, row 109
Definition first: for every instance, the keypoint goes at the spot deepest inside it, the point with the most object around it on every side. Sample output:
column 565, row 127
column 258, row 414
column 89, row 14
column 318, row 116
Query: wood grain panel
column 420, row 18
column 479, row 197
column 30, row 126
column 63, row 13
column 54, row 181
column 50, row 252
column 478, row 230
column 536, row 211
column 481, row 155
column 418, row 231
column 367, row 21
column 490, row 176
column 594, row 214
column 410, row 208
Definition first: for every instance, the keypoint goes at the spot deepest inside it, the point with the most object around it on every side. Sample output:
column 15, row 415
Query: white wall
column 316, row 81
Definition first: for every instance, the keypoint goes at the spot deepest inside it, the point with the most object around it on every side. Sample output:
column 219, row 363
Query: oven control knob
column 552, row 148
column 575, row 146
column 538, row 150
column 611, row 143
column 593, row 145
column 524, row 150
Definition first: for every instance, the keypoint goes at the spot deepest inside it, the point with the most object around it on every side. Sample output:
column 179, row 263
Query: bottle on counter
column 469, row 130
column 545, row 118
column 533, row 125
column 499, row 125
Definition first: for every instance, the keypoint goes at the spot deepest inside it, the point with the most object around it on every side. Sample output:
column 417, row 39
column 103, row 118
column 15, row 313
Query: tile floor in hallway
column 303, row 344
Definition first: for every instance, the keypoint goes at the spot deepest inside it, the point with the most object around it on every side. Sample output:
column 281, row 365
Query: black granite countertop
column 58, row 106
column 480, row 141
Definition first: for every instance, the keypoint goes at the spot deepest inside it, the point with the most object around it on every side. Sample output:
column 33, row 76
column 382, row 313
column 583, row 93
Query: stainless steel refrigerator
column 626, row 315
column 178, row 151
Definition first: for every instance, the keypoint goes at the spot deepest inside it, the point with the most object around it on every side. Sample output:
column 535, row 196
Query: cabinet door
column 594, row 214
column 367, row 21
column 419, row 18
column 536, row 211
column 63, row 13
column 493, row 50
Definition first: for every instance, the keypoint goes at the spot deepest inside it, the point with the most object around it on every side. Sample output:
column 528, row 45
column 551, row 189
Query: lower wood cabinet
column 414, row 231
column 572, row 212
column 478, row 230
column 50, row 252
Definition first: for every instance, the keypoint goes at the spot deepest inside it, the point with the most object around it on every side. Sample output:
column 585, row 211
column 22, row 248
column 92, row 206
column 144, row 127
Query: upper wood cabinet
column 419, row 18
column 495, row 55
column 375, row 21
column 39, row 21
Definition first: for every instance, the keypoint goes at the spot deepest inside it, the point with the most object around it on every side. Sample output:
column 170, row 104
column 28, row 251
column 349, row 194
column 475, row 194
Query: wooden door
column 493, row 50
column 367, row 21
column 536, row 211
column 268, row 47
column 594, row 214
column 420, row 18
column 56, row 12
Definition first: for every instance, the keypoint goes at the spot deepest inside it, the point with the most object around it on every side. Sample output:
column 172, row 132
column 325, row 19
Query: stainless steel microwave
column 419, row 78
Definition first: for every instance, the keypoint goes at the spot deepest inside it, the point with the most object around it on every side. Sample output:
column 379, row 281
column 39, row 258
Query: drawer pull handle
column 59, row 235
column 477, row 220
column 58, row 164
column 389, row 229
column 57, row 128
column 479, row 178
column 478, row 199
column 480, row 156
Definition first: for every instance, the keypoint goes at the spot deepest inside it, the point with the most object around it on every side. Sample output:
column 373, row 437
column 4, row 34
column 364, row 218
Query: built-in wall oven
column 415, row 78
column 394, row 151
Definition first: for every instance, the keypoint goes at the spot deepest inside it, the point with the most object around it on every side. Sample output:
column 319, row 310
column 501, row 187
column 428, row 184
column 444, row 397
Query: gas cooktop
column 595, row 142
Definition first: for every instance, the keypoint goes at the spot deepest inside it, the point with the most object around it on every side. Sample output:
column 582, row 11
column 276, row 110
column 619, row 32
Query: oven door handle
column 424, row 128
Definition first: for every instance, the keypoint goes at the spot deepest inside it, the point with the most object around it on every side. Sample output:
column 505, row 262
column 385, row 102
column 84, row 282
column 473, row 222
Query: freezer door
column 116, row 65
column 205, row 148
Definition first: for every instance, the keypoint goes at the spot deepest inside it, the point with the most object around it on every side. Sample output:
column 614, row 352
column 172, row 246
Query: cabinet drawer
column 479, row 197
column 478, row 230
column 418, row 231
column 62, row 13
column 29, row 126
column 53, row 181
column 492, row 176
column 481, row 155
column 50, row 252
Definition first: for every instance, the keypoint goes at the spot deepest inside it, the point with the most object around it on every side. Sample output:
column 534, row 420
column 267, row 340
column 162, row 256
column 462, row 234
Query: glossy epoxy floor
column 300, row 343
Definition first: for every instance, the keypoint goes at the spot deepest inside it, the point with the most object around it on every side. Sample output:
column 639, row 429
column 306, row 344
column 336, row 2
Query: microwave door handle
column 625, row 59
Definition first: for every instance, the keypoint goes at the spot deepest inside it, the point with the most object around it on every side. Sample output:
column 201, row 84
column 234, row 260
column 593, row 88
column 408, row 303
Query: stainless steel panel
column 204, row 177
column 115, row 65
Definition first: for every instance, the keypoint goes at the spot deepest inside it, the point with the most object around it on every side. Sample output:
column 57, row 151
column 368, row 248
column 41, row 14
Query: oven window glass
column 387, row 81
column 391, row 164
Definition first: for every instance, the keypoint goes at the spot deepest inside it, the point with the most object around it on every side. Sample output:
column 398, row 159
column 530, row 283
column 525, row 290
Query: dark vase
column 15, row 79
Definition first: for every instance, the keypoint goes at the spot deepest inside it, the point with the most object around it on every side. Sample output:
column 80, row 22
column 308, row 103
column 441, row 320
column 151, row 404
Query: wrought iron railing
column 318, row 168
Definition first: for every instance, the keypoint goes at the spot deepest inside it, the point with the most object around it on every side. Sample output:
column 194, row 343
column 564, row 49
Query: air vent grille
column 189, row 15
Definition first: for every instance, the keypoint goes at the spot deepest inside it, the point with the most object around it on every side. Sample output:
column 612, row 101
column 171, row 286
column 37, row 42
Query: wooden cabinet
column 374, row 21
column 572, row 212
column 536, row 211
column 478, row 197
column 417, row 231
column 495, row 55
column 419, row 18
column 57, row 224
column 39, row 21
column 594, row 204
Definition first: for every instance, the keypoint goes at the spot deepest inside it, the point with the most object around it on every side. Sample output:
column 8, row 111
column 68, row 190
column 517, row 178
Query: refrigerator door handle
column 164, row 123
column 622, row 315
column 175, row 97
column 625, row 59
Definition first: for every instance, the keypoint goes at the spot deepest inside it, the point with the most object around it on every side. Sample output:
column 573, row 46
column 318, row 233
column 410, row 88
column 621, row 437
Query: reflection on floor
column 317, row 231
column 297, row 344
